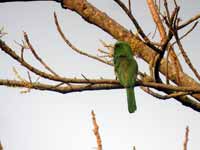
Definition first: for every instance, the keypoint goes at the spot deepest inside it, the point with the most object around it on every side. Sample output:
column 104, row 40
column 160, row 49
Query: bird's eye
column 116, row 46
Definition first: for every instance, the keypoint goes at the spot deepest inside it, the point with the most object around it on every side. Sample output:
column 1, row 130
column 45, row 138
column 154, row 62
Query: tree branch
column 45, row 75
column 103, row 21
column 194, row 18
column 138, row 27
column 185, row 143
column 73, row 47
column 96, row 131
column 68, row 88
column 36, row 55
column 140, row 48
column 164, row 97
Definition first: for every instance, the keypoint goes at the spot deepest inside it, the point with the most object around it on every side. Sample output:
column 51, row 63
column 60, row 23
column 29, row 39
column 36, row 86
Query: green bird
column 126, row 70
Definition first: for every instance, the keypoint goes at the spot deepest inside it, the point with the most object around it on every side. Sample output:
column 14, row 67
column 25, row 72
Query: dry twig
column 96, row 131
column 138, row 27
column 36, row 55
column 184, row 54
column 157, row 19
column 164, row 97
column 185, row 143
column 192, row 19
column 73, row 47
column 189, row 31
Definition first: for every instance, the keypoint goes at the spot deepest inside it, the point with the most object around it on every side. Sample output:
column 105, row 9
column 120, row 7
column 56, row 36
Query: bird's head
column 122, row 49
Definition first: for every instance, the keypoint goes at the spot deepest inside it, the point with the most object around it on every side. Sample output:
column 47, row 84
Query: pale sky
column 42, row 120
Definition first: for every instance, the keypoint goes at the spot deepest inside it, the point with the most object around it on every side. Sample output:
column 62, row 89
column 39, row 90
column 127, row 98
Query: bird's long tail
column 131, row 100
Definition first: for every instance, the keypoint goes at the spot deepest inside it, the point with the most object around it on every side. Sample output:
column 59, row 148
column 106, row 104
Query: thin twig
column 175, row 3
column 96, row 131
column 189, row 21
column 164, row 97
column 23, row 47
column 155, row 11
column 129, row 5
column 36, row 55
column 2, row 33
column 73, row 47
column 186, row 58
column 18, row 76
column 138, row 27
column 167, row 9
column 171, row 22
column 29, row 77
column 156, row 17
column 189, row 31
column 16, row 57
column 109, row 47
column 185, row 143
column 167, row 68
column 129, row 13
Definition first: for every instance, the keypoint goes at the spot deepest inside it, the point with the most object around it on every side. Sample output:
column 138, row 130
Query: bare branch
column 156, row 17
column 189, row 21
column 2, row 33
column 155, row 10
column 185, row 143
column 164, row 97
column 36, row 55
column 135, row 22
column 59, row 89
column 186, row 58
column 96, row 131
column 12, row 53
column 129, row 13
column 95, row 86
column 129, row 5
column 189, row 31
column 73, row 47
column 104, row 86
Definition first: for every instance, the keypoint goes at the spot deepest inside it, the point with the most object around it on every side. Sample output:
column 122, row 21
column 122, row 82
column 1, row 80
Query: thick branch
column 157, row 19
column 68, row 88
column 58, row 88
column 93, row 86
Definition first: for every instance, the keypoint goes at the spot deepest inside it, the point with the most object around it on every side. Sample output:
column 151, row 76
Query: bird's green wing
column 126, row 71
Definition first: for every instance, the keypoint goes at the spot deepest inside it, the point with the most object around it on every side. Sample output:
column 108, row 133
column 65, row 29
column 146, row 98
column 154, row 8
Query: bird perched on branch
column 126, row 70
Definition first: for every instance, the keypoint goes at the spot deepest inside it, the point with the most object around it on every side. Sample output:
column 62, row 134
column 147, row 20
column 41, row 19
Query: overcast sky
column 42, row 120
